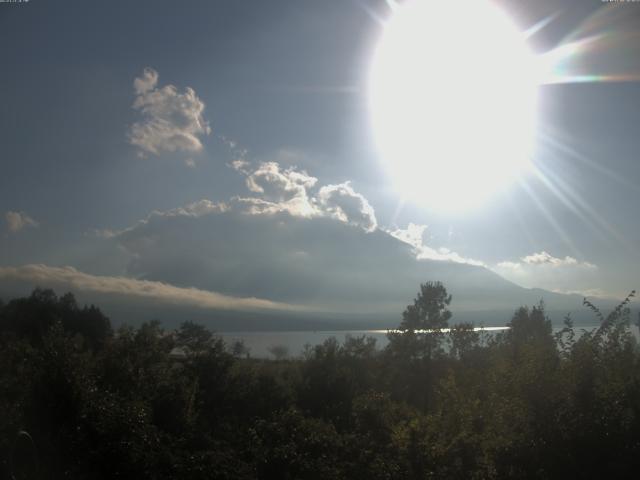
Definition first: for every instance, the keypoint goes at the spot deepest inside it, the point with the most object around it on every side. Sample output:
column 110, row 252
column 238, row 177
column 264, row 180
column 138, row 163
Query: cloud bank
column 292, row 240
column 322, row 261
column 68, row 278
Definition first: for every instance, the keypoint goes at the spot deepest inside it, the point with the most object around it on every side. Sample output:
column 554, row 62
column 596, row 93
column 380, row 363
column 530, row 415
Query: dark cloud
column 324, row 264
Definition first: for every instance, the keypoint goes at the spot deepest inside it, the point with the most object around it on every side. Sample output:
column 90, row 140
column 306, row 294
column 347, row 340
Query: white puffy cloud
column 278, row 190
column 443, row 253
column 543, row 270
column 68, row 278
column 543, row 258
column 17, row 221
column 277, row 184
column 294, row 191
column 146, row 82
column 172, row 121
column 589, row 292
column 413, row 235
column 342, row 202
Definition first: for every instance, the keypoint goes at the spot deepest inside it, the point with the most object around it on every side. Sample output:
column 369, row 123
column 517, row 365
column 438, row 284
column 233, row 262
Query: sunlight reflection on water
column 294, row 342
column 259, row 343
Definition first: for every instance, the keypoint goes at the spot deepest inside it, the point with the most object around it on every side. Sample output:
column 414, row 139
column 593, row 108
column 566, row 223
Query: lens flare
column 603, row 48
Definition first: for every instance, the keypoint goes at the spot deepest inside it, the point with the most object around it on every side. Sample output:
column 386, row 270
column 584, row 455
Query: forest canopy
column 524, row 403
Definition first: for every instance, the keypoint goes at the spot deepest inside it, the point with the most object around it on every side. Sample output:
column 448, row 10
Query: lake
column 294, row 342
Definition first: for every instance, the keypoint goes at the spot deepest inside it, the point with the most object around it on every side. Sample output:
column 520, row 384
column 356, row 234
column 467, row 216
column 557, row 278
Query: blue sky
column 277, row 122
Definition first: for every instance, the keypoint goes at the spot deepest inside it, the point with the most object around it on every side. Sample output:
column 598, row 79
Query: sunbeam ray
column 559, row 192
column 396, row 213
column 550, row 138
column 369, row 11
column 588, row 212
column 531, row 31
column 573, row 200
column 550, row 218
column 533, row 241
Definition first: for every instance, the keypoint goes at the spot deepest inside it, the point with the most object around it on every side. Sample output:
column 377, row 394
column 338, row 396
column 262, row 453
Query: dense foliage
column 147, row 403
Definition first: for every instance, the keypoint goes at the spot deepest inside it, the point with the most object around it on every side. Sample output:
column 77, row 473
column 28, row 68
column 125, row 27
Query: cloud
column 279, row 190
column 277, row 184
column 195, row 209
column 288, row 242
column 543, row 270
column 106, row 233
column 543, row 258
column 320, row 261
column 411, row 235
column 342, row 202
column 146, row 82
column 294, row 191
column 17, row 221
column 443, row 253
column 280, row 256
column 172, row 121
column 68, row 278
column 414, row 235
column 590, row 292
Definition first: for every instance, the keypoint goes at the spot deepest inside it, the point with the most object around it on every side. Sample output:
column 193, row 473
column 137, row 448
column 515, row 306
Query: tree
column 420, row 332
column 463, row 339
column 429, row 310
column 531, row 327
column 32, row 317
column 279, row 352
column 197, row 338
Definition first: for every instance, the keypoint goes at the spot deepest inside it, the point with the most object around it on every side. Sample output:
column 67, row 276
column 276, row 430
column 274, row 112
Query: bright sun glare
column 453, row 96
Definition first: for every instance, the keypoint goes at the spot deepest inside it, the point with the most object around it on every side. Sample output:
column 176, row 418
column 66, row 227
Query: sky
column 222, row 154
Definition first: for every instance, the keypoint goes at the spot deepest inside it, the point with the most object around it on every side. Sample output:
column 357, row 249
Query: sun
column 453, row 100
